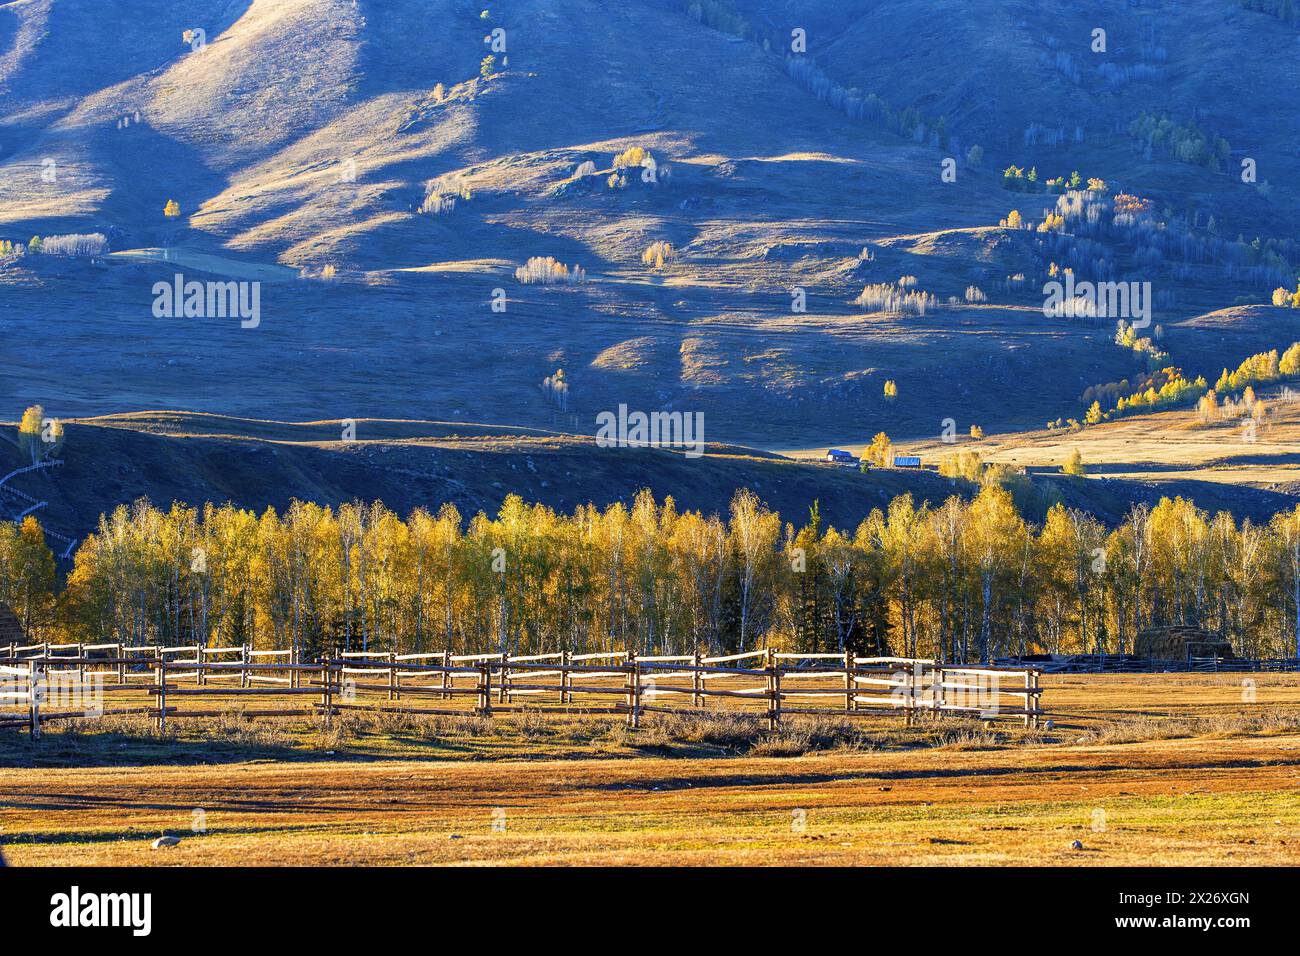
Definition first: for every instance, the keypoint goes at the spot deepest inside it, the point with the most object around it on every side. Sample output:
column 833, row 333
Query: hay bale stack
column 11, row 629
column 1177, row 642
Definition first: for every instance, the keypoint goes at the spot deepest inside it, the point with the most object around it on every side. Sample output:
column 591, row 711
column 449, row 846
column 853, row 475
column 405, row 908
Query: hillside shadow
column 87, row 47
column 465, row 234
column 149, row 168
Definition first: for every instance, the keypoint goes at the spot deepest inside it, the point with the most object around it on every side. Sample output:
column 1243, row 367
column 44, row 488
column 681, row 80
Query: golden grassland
column 1165, row 446
column 1161, row 769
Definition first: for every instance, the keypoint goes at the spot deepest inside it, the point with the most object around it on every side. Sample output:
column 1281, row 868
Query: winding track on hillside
column 35, row 505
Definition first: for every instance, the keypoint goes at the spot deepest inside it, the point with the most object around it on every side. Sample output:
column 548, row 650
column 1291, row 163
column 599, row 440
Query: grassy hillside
column 304, row 136
column 1015, row 71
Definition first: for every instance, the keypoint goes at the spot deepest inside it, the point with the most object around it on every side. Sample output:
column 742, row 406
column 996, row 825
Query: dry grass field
column 1166, row 448
column 1156, row 770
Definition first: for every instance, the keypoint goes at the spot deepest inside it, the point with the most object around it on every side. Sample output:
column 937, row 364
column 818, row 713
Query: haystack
column 1178, row 642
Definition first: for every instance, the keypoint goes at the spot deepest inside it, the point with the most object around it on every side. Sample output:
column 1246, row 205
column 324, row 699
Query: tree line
column 965, row 580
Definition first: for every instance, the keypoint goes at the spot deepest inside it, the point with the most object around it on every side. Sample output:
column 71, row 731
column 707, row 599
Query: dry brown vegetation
column 1163, row 769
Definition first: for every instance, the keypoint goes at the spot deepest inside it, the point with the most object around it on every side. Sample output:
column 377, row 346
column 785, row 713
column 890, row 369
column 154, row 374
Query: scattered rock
column 163, row 841
column 1076, row 845
column 1050, row 725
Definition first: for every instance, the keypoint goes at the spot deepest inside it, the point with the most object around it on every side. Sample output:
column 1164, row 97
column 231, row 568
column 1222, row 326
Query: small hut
column 1179, row 642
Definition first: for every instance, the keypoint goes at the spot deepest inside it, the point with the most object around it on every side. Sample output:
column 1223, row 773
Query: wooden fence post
column 505, row 678
column 295, row 655
column 160, row 677
column 120, row 654
column 566, row 677
column 909, row 713
column 392, row 676
column 633, row 691
column 446, row 675
column 200, row 655
column 774, row 692
column 244, row 659
column 697, row 681
column 485, row 689
column 936, row 692
column 326, row 692
column 1030, row 702
column 850, row 685
column 34, row 697
column 81, row 664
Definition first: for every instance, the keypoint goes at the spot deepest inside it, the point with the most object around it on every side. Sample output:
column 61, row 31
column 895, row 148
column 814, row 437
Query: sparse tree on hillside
column 880, row 452
column 658, row 253
column 965, row 464
column 548, row 270
column 1074, row 465
column 37, row 436
column 896, row 299
column 633, row 157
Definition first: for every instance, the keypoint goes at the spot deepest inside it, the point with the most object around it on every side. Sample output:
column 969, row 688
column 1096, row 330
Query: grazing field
column 1164, row 769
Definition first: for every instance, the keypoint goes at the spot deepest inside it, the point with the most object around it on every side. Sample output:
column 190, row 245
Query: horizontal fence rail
column 194, row 681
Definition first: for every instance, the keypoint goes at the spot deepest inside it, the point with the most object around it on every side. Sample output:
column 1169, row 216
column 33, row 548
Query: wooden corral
column 52, row 681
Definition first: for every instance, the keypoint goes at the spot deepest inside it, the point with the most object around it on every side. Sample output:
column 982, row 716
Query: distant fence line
column 1133, row 664
column 766, row 684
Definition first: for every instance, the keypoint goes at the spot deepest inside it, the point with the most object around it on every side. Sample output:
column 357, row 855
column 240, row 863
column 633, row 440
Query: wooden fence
column 180, row 682
column 19, row 693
